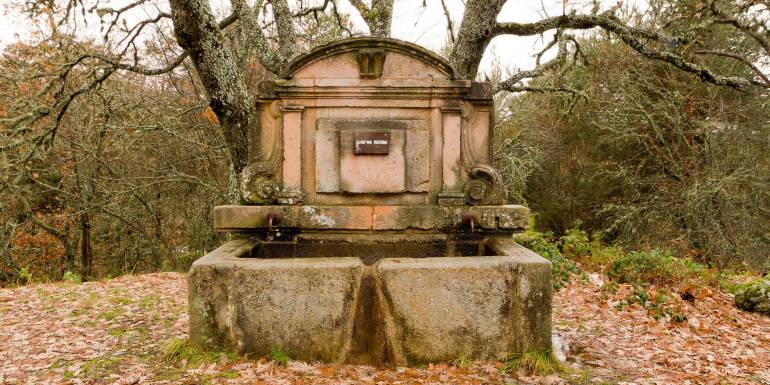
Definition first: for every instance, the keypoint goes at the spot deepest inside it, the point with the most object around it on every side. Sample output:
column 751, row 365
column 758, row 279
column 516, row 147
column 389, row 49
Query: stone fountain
column 378, row 233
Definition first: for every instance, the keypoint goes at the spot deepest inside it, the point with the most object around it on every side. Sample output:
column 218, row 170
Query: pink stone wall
column 436, row 132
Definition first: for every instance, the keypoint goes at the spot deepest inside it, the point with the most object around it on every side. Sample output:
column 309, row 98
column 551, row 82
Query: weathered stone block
column 372, row 173
column 443, row 308
column 509, row 217
column 327, row 156
column 417, row 159
column 423, row 217
column 532, row 320
column 410, row 217
column 303, row 306
column 439, row 309
column 292, row 147
column 252, row 217
column 335, row 217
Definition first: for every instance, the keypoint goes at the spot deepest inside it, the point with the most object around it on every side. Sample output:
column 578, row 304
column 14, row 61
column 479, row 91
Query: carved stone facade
column 376, row 230
column 439, row 130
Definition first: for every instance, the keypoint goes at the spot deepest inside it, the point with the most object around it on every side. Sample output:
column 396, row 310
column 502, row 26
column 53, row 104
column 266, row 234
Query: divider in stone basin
column 402, row 311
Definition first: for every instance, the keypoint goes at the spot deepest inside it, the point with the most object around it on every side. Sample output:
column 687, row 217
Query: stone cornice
column 366, row 89
column 355, row 44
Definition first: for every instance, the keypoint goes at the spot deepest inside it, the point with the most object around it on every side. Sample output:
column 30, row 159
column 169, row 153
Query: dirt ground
column 115, row 331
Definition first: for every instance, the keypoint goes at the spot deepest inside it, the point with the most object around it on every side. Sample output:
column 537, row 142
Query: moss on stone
column 755, row 297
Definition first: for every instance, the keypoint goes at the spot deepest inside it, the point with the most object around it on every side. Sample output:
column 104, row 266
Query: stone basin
column 401, row 299
column 371, row 248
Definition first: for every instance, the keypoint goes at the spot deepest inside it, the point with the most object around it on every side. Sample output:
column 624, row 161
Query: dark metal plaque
column 371, row 143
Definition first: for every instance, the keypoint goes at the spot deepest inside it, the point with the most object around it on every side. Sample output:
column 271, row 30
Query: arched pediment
column 369, row 57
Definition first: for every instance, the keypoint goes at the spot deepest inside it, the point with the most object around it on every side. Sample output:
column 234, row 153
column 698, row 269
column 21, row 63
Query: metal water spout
column 470, row 220
column 273, row 219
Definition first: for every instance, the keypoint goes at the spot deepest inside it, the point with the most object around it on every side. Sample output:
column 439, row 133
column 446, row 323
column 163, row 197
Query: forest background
column 107, row 174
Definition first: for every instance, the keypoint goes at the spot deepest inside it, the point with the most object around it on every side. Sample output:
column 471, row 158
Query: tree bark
column 198, row 32
column 85, row 247
column 476, row 31
column 381, row 18
column 287, row 38
column 378, row 17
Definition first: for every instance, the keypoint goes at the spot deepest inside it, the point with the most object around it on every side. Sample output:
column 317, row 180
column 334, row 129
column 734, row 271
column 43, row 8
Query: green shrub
column 602, row 257
column 576, row 244
column 541, row 243
column 71, row 277
column 574, row 251
column 655, row 267
column 182, row 350
column 545, row 245
column 25, row 276
column 278, row 356
column 462, row 362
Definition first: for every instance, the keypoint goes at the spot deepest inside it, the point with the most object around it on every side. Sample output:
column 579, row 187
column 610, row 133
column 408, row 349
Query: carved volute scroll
column 258, row 178
column 485, row 186
column 370, row 62
column 261, row 185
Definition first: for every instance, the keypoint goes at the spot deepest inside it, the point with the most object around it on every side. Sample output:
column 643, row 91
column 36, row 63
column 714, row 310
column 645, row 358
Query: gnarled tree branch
column 477, row 31
column 378, row 17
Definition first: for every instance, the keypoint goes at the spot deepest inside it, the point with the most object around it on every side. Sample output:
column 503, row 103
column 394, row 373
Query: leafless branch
column 117, row 13
column 116, row 63
column 543, row 89
column 450, row 25
column 741, row 59
column 510, row 84
column 754, row 30
column 636, row 38
column 315, row 10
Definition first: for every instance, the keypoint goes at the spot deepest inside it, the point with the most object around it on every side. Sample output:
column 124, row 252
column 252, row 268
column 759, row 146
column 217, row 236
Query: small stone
column 595, row 279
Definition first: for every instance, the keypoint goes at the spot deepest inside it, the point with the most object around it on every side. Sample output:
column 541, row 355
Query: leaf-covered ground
column 117, row 331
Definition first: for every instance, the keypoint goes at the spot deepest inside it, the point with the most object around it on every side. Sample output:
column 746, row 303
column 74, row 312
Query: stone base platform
column 392, row 310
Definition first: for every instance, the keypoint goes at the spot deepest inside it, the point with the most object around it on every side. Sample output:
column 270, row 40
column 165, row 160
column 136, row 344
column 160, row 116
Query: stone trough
column 375, row 231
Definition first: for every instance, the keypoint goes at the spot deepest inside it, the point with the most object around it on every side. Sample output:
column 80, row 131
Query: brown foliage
column 105, row 193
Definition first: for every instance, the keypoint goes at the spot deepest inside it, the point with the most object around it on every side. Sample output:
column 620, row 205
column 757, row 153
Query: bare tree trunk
column 476, row 31
column 86, row 257
column 381, row 18
column 157, row 218
column 287, row 38
column 70, row 252
column 378, row 17
column 198, row 32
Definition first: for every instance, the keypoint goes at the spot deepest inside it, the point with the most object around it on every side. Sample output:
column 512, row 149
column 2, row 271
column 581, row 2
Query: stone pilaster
column 451, row 192
column 292, row 154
